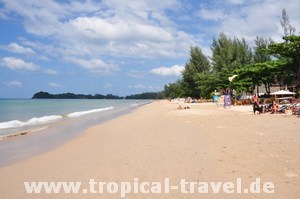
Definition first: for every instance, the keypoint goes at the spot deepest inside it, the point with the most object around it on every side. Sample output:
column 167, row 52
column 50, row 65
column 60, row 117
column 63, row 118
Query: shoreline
column 37, row 140
column 19, row 115
column 156, row 141
column 21, row 133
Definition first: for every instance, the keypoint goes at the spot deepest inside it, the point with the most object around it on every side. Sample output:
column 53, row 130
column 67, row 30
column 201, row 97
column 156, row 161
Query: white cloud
column 114, row 27
column 47, row 49
column 94, row 65
column 96, row 32
column 50, row 72
column 168, row 71
column 212, row 14
column 2, row 14
column 117, row 30
column 236, row 1
column 52, row 84
column 45, row 14
column 16, row 48
column 18, row 64
column 252, row 18
column 13, row 83
column 14, row 63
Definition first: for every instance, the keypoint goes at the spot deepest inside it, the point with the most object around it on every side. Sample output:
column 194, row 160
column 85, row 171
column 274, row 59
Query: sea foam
column 31, row 122
column 81, row 113
column 47, row 119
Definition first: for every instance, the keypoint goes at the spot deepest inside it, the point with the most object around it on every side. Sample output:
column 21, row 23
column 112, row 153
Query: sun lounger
column 295, row 109
column 282, row 109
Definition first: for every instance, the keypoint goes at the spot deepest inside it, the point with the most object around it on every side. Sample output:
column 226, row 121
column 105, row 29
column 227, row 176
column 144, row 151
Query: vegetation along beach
column 150, row 99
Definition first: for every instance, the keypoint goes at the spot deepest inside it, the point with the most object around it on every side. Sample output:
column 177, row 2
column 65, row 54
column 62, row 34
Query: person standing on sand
column 255, row 102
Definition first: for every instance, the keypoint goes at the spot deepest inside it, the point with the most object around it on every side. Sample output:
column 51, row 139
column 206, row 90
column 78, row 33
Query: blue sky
column 117, row 46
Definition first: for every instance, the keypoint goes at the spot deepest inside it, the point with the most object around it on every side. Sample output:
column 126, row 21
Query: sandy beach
column 200, row 144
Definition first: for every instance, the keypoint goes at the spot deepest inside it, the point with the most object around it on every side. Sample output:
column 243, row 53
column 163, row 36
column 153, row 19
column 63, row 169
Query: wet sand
column 204, row 143
column 35, row 140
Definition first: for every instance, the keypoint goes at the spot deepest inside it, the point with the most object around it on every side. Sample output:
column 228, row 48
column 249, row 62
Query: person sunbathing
column 275, row 108
column 180, row 107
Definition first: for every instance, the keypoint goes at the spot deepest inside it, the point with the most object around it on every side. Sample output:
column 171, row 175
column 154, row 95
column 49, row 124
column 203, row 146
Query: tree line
column 266, row 63
column 147, row 95
column 46, row 95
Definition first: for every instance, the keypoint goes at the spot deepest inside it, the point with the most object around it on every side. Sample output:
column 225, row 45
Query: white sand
column 156, row 141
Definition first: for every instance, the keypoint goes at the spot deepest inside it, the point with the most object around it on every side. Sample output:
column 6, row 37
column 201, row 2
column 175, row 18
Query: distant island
column 147, row 95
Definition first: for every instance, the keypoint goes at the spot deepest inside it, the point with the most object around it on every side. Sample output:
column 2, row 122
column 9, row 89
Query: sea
column 17, row 115
column 29, row 127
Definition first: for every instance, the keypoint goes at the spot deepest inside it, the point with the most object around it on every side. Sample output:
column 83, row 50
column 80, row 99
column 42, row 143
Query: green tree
column 258, row 73
column 174, row 90
column 285, row 23
column 261, row 53
column 198, row 63
column 206, row 83
column 222, row 53
column 290, row 51
column 228, row 56
column 147, row 95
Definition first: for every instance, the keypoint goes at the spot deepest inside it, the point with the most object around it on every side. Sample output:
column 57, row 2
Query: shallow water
column 20, row 114
column 44, row 137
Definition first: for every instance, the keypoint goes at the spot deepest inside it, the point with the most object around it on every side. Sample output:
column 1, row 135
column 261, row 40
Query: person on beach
column 180, row 107
column 275, row 107
column 255, row 99
column 255, row 102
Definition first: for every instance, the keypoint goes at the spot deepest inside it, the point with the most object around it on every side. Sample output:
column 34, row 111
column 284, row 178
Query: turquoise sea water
column 18, row 114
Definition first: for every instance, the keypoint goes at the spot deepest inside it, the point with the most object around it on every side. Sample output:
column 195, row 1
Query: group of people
column 273, row 107
column 179, row 107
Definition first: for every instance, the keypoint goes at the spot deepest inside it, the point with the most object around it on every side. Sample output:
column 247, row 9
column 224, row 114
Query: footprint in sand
column 258, row 173
column 290, row 175
column 274, row 156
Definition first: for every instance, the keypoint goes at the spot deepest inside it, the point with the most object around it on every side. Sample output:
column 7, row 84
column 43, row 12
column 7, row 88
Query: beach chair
column 282, row 109
column 295, row 109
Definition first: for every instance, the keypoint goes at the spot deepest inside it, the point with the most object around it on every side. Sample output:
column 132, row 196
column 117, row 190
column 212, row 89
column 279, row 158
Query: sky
column 118, row 46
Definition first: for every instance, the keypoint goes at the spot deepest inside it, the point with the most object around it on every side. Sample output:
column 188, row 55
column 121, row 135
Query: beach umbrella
column 283, row 92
